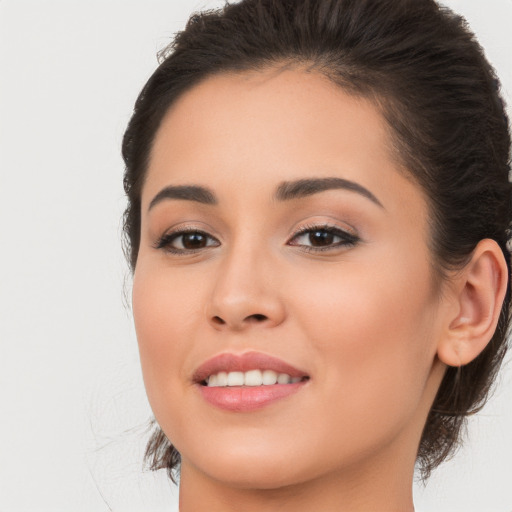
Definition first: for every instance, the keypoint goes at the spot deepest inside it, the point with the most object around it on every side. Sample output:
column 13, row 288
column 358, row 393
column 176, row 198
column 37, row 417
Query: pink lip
column 229, row 362
column 246, row 398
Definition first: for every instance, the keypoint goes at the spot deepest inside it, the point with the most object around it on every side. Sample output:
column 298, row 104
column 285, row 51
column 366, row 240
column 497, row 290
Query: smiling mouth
column 243, row 383
column 251, row 378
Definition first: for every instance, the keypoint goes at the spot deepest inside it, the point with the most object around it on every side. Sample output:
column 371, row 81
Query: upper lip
column 229, row 362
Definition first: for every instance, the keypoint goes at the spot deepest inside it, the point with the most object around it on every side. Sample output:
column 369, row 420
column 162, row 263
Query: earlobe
column 478, row 293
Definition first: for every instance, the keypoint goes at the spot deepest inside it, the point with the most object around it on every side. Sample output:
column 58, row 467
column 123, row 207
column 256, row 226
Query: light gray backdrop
column 72, row 405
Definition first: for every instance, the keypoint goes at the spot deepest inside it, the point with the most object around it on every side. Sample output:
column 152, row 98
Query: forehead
column 256, row 129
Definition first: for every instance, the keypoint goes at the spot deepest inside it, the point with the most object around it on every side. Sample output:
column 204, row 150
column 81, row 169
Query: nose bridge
column 244, row 291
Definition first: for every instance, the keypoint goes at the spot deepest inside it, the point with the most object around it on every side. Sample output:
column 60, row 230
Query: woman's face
column 276, row 222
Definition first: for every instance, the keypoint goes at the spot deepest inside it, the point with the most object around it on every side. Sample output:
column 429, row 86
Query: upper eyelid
column 173, row 234
column 176, row 231
column 324, row 227
column 181, row 230
column 303, row 229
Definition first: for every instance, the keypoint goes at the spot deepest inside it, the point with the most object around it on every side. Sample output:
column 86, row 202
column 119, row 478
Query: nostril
column 257, row 317
column 218, row 320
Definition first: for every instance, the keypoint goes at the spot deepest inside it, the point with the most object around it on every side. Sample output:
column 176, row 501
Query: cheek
column 165, row 321
column 367, row 307
column 373, row 332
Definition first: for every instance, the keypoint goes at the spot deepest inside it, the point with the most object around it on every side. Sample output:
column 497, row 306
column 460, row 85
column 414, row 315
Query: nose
column 245, row 293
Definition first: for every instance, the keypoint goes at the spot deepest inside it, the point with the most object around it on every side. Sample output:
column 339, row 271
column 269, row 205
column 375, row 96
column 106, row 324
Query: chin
column 241, row 476
column 245, row 470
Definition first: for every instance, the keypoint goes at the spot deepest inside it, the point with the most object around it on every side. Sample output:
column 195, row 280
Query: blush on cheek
column 371, row 332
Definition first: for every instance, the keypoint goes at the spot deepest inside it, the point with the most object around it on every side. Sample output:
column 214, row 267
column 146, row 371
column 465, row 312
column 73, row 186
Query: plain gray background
column 73, row 408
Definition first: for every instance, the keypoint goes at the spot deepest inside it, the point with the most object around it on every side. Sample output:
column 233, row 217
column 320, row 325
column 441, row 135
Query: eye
column 186, row 241
column 323, row 238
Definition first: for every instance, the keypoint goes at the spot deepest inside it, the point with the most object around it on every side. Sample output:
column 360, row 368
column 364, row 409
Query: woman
column 318, row 218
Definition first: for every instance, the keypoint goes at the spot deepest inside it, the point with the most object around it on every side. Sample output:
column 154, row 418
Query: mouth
column 251, row 378
column 247, row 381
column 247, row 369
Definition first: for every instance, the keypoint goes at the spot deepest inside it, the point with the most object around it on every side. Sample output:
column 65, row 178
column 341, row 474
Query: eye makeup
column 186, row 240
column 323, row 237
column 313, row 238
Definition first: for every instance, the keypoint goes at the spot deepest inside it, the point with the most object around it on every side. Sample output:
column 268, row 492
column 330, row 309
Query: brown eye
column 323, row 238
column 193, row 241
column 186, row 241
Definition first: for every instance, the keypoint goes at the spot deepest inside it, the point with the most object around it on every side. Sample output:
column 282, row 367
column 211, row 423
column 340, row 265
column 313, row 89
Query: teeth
column 253, row 378
column 222, row 379
column 235, row 379
column 282, row 378
column 250, row 378
column 269, row 377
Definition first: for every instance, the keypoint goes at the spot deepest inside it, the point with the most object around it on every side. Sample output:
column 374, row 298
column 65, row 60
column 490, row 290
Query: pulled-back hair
column 422, row 67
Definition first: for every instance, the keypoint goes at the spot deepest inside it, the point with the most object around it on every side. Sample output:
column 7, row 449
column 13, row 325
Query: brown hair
column 440, row 97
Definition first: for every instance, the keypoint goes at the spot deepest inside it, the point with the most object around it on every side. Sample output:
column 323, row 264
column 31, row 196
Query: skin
column 365, row 320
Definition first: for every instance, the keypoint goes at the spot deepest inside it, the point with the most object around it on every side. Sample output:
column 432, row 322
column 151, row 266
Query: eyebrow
column 184, row 192
column 301, row 188
column 286, row 191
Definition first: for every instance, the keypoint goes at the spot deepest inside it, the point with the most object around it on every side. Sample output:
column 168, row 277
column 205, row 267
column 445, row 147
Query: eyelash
column 165, row 242
column 347, row 239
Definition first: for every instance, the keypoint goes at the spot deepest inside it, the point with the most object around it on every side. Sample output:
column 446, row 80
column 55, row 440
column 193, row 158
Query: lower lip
column 247, row 398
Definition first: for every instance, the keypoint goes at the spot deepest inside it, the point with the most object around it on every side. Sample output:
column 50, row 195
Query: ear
column 478, row 291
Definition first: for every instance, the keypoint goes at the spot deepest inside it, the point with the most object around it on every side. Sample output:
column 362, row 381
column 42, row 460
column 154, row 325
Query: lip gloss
column 247, row 398
column 243, row 398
